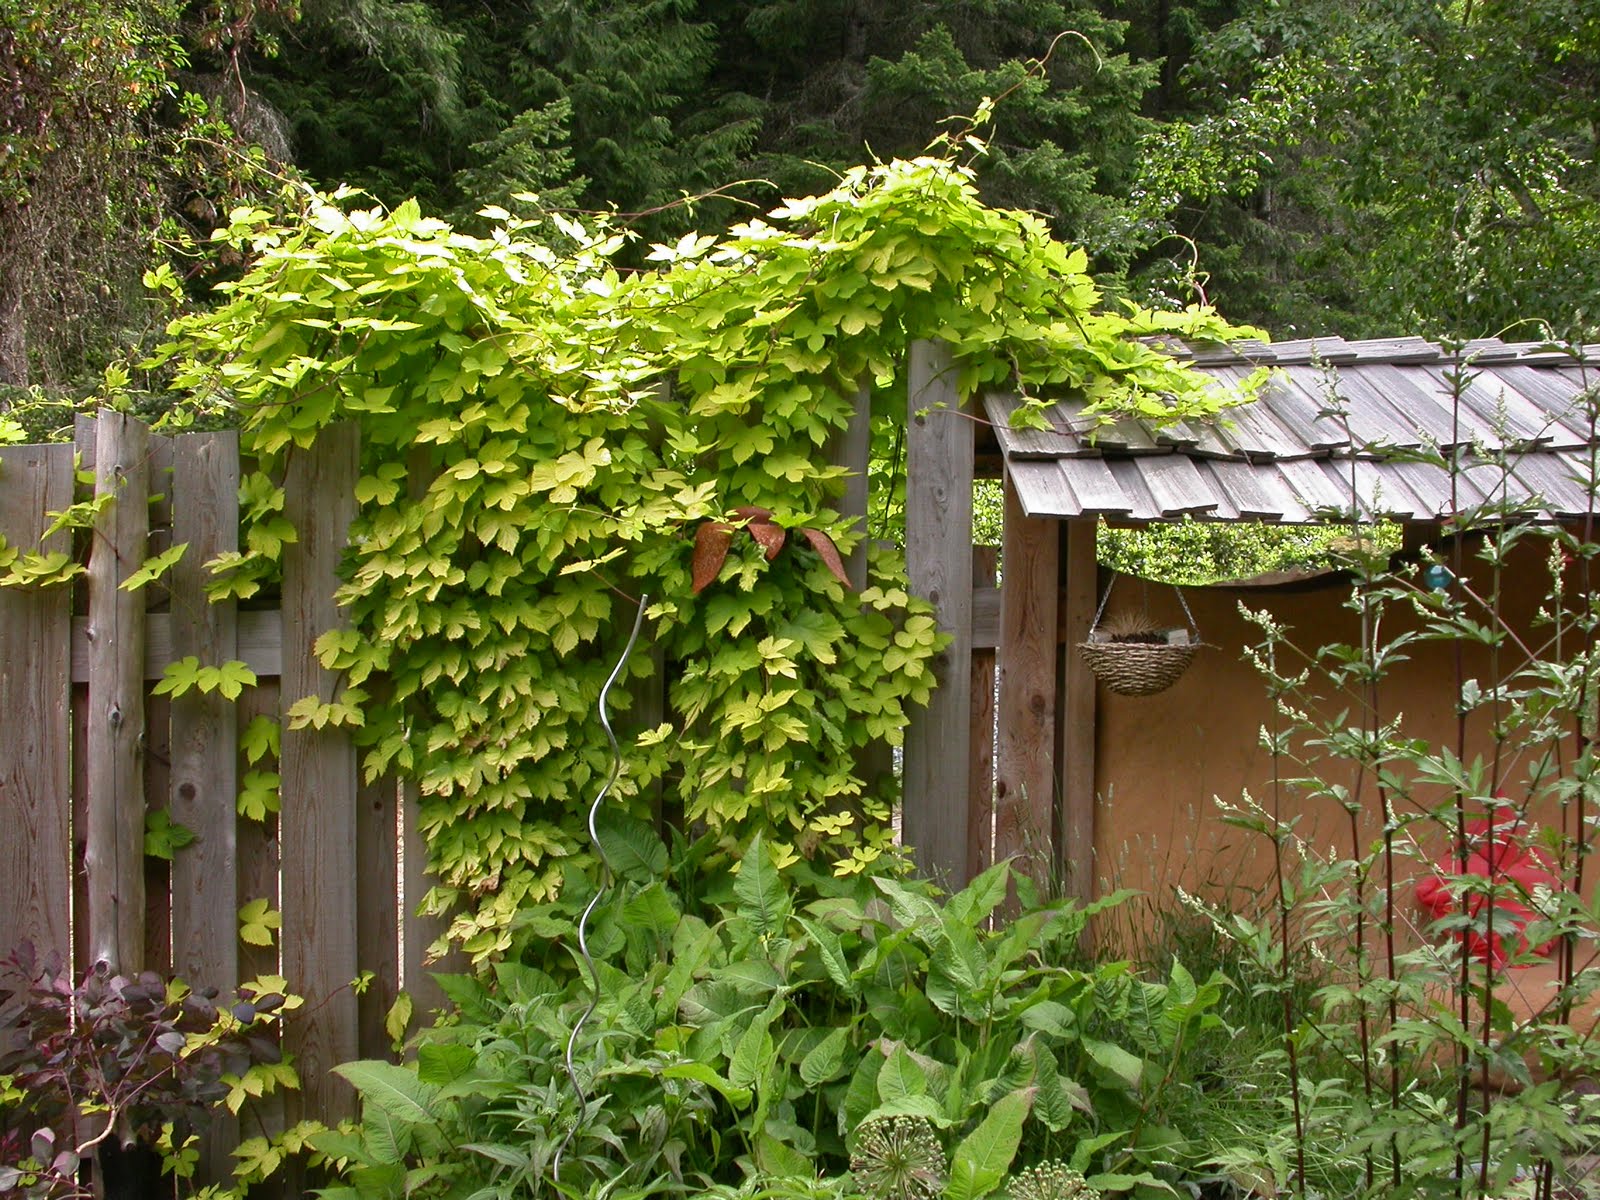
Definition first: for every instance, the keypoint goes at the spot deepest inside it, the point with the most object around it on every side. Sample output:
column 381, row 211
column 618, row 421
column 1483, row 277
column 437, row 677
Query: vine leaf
column 829, row 553
column 711, row 542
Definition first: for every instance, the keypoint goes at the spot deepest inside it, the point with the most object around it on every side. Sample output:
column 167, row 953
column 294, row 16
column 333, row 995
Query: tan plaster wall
column 1163, row 761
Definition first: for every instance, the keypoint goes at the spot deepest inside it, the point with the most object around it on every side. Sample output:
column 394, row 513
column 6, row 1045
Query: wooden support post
column 114, row 854
column 939, row 562
column 1077, row 741
column 852, row 449
column 1025, row 787
column 980, row 814
column 318, row 818
column 205, row 788
column 418, row 932
column 35, row 713
column 377, row 912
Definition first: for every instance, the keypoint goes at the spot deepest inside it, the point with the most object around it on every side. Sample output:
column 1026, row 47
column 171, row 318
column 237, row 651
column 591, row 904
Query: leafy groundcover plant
column 790, row 1031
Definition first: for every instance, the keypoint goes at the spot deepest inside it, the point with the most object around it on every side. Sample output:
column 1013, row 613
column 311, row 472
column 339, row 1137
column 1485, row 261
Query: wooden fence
column 86, row 748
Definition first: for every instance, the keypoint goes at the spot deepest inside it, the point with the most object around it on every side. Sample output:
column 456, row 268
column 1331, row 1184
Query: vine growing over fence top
column 542, row 434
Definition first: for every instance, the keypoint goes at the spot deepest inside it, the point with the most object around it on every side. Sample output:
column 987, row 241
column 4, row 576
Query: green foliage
column 106, row 168
column 801, row 1024
column 1203, row 552
column 164, row 837
column 541, row 436
column 1411, row 166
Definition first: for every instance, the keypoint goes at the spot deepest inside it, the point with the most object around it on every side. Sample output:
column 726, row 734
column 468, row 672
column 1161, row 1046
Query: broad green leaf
column 763, row 899
column 1127, row 1067
column 825, row 1060
column 393, row 1089
column 398, row 1018
column 633, row 847
column 832, row 955
column 444, row 1062
column 981, row 1161
column 901, row 1077
column 739, row 1097
column 982, row 896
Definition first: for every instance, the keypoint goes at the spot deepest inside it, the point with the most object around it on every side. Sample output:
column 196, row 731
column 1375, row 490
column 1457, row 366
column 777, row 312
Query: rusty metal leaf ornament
column 829, row 553
column 769, row 535
column 714, row 538
column 711, row 542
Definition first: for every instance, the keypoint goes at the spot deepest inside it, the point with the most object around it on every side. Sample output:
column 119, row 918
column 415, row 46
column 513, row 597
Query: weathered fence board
column 114, row 855
column 377, row 911
column 35, row 721
column 317, row 824
column 204, row 736
column 417, row 932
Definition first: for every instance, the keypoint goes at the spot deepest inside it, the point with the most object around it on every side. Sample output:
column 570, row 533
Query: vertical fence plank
column 939, row 460
column 204, row 782
column 1078, row 716
column 80, row 827
column 418, row 931
column 980, row 786
column 114, row 855
column 318, row 818
column 257, row 847
column 157, row 871
column 35, row 713
column 1025, row 767
column 377, row 913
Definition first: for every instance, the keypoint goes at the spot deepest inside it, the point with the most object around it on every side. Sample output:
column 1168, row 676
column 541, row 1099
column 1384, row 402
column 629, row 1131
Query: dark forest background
column 1354, row 166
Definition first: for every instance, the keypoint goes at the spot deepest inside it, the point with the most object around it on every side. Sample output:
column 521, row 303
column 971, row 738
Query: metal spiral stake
column 605, row 882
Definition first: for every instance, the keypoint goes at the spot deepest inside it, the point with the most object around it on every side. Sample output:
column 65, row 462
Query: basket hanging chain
column 1187, row 615
column 1105, row 598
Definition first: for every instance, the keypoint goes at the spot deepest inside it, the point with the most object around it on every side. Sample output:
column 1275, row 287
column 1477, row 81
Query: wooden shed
column 1343, row 431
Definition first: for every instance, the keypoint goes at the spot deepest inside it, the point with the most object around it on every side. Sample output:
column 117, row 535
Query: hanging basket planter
column 1133, row 656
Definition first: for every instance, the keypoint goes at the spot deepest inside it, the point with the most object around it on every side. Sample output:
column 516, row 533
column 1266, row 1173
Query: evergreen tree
column 1408, row 165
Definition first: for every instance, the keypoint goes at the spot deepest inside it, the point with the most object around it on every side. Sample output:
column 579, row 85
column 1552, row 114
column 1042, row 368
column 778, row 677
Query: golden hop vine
column 542, row 434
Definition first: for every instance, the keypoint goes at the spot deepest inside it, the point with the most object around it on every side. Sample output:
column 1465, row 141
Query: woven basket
column 1139, row 668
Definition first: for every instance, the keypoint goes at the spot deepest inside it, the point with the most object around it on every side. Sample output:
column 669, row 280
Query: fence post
column 939, row 463
column 35, row 705
column 318, row 768
column 114, row 847
column 980, row 816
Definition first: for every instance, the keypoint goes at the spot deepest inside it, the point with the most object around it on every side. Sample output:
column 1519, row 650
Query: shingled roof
column 1521, row 436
